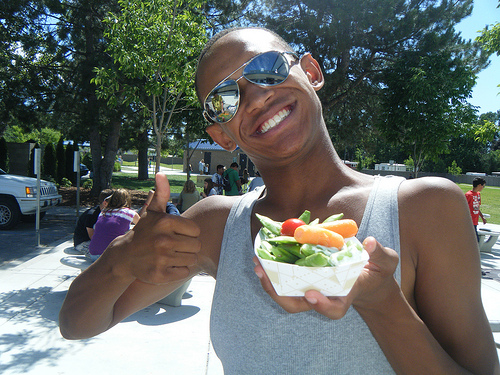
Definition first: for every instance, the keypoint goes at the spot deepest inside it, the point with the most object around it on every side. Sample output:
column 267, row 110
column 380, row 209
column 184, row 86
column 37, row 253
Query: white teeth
column 271, row 123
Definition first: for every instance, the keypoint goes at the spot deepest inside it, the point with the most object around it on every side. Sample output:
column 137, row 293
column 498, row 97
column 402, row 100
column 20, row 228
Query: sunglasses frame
column 282, row 53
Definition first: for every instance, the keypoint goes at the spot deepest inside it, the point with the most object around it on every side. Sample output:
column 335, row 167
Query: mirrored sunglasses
column 265, row 69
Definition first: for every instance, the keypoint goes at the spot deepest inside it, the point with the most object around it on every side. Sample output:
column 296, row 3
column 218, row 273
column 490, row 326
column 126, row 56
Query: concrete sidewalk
column 157, row 340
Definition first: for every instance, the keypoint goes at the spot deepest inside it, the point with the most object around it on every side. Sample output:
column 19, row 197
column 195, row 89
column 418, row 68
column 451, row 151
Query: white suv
column 18, row 198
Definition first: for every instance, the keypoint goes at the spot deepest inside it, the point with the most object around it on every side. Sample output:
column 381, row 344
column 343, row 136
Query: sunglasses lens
column 267, row 69
column 222, row 102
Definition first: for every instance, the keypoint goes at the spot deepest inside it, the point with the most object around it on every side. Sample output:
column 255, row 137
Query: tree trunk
column 142, row 157
column 95, row 151
column 158, row 152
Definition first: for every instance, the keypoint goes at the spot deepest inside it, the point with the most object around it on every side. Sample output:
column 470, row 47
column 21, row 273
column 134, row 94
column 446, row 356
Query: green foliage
column 88, row 184
column 43, row 136
column 4, row 155
column 65, row 182
column 410, row 164
column 424, row 102
column 454, row 169
column 117, row 167
column 490, row 38
column 356, row 42
column 364, row 159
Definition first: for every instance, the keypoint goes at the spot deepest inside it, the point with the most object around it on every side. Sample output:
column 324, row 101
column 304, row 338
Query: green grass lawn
column 490, row 201
column 130, row 181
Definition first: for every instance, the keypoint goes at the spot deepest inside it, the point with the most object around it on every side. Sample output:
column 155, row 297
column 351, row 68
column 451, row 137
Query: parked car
column 18, row 198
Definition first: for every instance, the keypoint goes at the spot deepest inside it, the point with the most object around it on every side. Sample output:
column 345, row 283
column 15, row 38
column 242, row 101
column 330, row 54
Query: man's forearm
column 88, row 308
column 401, row 334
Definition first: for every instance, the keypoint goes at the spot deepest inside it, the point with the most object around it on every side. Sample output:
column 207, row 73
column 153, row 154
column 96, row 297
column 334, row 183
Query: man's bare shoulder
column 434, row 220
column 433, row 191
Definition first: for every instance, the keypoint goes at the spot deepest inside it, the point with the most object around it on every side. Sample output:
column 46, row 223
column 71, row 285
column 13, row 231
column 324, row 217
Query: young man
column 217, row 179
column 234, row 179
column 417, row 313
column 474, row 201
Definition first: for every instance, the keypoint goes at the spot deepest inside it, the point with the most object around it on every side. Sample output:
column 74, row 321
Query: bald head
column 238, row 36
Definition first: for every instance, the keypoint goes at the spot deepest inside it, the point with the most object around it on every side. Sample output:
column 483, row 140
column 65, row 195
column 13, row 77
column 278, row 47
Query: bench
column 487, row 238
column 174, row 299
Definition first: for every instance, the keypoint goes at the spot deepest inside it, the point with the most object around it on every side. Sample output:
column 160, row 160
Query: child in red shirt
column 474, row 200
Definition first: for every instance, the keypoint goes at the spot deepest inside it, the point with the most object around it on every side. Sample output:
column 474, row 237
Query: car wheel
column 32, row 218
column 9, row 213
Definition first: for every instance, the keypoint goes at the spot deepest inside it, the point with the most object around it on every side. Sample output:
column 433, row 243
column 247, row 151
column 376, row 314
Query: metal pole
column 76, row 168
column 38, row 153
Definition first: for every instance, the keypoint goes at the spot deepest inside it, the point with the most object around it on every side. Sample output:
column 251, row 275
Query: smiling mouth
column 276, row 120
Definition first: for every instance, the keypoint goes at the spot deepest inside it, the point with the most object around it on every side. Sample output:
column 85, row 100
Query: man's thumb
column 162, row 194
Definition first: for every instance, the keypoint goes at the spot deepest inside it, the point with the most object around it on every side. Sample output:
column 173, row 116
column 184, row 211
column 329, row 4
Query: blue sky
column 485, row 93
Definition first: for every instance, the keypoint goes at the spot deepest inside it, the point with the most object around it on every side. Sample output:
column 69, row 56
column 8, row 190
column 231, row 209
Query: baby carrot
column 315, row 235
column 345, row 227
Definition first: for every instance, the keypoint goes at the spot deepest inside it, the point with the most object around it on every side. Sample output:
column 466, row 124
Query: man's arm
column 482, row 217
column 441, row 277
column 159, row 254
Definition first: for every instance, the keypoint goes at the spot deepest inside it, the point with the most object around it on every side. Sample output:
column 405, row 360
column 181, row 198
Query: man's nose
column 254, row 97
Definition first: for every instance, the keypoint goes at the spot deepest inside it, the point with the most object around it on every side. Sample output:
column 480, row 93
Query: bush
column 65, row 182
column 117, row 167
column 88, row 184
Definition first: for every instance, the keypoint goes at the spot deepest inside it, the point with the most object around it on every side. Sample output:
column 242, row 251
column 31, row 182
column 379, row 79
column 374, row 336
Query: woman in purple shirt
column 113, row 221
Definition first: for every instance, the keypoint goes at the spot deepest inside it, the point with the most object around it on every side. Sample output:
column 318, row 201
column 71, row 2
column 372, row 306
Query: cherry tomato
column 289, row 226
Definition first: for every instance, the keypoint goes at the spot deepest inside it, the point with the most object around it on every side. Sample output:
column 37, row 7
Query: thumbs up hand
column 161, row 195
column 161, row 248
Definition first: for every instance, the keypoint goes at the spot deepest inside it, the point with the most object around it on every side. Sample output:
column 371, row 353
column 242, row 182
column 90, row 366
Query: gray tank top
column 251, row 334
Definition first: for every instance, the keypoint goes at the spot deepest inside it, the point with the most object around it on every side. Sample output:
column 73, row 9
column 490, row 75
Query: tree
column 154, row 46
column 51, row 50
column 355, row 42
column 490, row 38
column 425, row 99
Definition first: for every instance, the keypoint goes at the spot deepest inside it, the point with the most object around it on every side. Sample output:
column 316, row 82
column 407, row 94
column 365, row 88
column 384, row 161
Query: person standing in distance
column 474, row 201
column 217, row 179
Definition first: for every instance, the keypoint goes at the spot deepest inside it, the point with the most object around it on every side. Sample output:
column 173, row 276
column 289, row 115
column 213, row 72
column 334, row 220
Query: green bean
column 294, row 249
column 333, row 218
column 305, row 217
column 308, row 249
column 273, row 226
column 315, row 260
column 283, row 255
column 264, row 254
column 282, row 239
column 314, row 222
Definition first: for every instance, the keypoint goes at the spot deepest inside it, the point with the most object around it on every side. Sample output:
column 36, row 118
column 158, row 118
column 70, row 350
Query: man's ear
column 221, row 138
column 313, row 71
